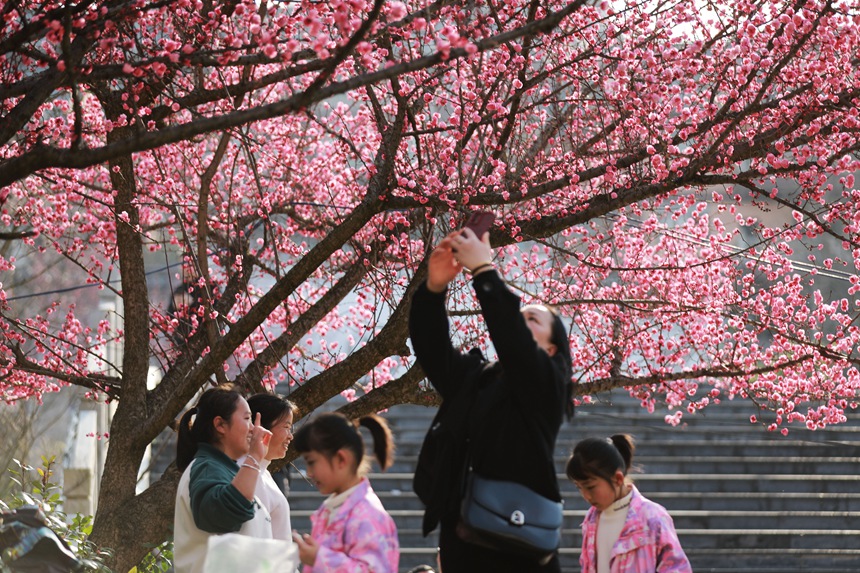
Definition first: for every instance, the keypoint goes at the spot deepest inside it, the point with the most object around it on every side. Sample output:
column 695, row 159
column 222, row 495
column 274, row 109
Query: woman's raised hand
column 442, row 266
column 260, row 437
column 471, row 251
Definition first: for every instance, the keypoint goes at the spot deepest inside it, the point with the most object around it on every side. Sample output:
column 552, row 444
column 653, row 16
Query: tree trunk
column 116, row 526
column 131, row 529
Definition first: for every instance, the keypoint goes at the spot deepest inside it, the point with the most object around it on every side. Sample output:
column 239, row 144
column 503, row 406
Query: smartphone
column 480, row 222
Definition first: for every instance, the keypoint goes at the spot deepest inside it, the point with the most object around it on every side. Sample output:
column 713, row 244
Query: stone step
column 777, row 560
column 691, row 482
column 712, row 428
column 673, row 501
column 775, row 455
column 750, row 539
column 646, row 464
column 844, row 436
column 760, row 560
column 743, row 499
column 416, row 418
column 684, row 519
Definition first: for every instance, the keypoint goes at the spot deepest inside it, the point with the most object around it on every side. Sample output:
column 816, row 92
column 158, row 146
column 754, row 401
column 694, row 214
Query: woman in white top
column 276, row 415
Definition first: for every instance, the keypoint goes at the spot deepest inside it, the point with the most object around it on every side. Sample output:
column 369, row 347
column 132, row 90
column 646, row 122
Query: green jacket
column 216, row 504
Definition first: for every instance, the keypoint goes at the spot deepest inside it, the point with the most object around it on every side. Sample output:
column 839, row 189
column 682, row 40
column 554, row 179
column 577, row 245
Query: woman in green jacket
column 216, row 495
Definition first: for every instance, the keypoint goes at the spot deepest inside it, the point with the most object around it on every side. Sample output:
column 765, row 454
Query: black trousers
column 457, row 556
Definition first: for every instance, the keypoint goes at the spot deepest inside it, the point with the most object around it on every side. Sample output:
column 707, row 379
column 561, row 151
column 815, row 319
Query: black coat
column 505, row 415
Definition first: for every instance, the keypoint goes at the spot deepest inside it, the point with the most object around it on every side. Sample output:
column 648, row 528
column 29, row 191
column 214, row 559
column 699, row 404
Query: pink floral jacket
column 647, row 544
column 362, row 538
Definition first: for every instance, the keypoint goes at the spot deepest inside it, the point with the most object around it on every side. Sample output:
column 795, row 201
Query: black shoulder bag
column 509, row 517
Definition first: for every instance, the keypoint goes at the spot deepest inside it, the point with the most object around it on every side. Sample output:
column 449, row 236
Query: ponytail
column 215, row 402
column 626, row 446
column 383, row 440
column 601, row 458
column 186, row 444
column 331, row 432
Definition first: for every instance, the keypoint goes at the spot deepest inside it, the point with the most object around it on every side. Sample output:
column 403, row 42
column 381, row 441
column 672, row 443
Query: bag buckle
column 517, row 518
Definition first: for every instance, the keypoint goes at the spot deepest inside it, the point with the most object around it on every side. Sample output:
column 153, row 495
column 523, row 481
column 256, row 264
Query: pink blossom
column 396, row 10
column 248, row 164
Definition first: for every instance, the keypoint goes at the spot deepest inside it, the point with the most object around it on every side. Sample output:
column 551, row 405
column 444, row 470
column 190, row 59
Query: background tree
column 667, row 171
column 33, row 428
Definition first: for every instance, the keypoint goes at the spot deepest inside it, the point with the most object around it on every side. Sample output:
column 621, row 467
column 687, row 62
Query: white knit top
column 609, row 526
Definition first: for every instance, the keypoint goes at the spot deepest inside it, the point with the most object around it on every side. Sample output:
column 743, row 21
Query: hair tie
column 192, row 413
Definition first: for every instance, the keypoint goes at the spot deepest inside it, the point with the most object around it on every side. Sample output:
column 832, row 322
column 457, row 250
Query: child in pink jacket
column 623, row 532
column 352, row 532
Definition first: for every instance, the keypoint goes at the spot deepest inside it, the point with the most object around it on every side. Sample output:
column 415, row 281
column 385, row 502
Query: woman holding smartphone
column 507, row 412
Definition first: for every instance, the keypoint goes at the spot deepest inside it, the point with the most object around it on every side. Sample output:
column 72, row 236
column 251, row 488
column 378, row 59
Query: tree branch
column 41, row 157
column 609, row 383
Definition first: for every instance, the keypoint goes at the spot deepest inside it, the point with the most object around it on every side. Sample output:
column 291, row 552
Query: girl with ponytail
column 351, row 531
column 623, row 532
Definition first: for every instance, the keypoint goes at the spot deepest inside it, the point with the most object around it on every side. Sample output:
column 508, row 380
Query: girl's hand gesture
column 260, row 437
column 442, row 266
column 308, row 548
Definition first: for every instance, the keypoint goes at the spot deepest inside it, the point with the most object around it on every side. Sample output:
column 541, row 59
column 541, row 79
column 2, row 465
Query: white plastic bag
column 232, row 552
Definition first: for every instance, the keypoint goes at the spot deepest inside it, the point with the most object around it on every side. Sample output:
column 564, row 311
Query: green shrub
column 33, row 486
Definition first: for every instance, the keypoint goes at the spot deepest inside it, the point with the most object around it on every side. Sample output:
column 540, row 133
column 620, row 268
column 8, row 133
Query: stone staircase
column 743, row 500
